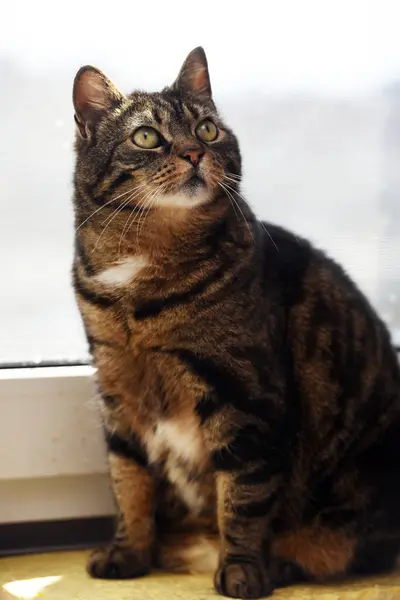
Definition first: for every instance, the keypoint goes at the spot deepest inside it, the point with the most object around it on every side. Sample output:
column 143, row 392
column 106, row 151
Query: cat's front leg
column 130, row 552
column 248, row 484
column 243, row 515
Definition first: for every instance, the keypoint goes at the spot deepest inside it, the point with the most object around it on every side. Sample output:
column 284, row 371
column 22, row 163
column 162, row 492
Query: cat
column 249, row 392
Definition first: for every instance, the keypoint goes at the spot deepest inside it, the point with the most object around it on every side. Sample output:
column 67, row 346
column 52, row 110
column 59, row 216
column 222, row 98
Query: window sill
column 52, row 456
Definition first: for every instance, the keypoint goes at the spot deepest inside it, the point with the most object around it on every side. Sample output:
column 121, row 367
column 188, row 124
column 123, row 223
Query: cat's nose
column 192, row 155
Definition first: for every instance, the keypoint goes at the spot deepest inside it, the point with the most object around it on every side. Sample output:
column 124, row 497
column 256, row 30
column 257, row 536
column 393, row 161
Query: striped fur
column 249, row 392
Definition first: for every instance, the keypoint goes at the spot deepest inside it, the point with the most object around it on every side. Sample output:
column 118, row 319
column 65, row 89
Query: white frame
column 52, row 456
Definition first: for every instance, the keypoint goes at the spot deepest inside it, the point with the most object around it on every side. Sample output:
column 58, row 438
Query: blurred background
column 311, row 87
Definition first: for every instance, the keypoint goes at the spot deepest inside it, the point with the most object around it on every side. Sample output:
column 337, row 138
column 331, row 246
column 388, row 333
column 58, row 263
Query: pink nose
column 192, row 155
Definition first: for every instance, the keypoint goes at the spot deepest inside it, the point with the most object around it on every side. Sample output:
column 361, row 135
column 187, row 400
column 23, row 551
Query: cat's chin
column 193, row 193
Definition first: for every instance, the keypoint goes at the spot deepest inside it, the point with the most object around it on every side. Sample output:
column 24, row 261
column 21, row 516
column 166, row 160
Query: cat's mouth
column 196, row 179
column 195, row 182
column 192, row 188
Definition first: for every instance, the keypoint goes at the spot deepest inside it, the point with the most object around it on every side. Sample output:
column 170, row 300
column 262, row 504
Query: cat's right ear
column 94, row 95
column 193, row 76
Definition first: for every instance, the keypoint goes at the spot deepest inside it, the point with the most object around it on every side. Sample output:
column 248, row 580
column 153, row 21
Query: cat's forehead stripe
column 157, row 116
column 156, row 109
column 190, row 111
column 176, row 109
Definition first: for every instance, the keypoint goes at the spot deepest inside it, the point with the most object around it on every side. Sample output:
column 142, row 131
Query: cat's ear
column 93, row 95
column 193, row 76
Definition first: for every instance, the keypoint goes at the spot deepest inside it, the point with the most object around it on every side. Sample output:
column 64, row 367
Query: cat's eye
column 146, row 137
column 207, row 131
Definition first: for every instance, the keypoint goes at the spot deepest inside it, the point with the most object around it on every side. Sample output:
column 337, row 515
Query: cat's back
column 342, row 377
column 326, row 311
column 344, row 368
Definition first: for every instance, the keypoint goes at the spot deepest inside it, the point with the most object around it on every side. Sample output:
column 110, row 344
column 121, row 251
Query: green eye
column 147, row 137
column 207, row 131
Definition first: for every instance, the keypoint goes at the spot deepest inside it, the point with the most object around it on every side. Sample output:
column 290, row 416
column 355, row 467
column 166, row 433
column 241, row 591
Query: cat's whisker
column 120, row 208
column 103, row 206
column 233, row 204
column 152, row 200
column 128, row 191
column 269, row 235
column 234, row 182
column 261, row 223
column 132, row 218
column 233, row 175
column 230, row 195
column 131, row 197
column 125, row 202
column 94, row 213
column 130, row 221
column 148, row 199
column 114, row 214
column 146, row 214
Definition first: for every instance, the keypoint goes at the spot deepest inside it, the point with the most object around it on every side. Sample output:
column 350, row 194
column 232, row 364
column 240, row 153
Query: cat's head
column 153, row 149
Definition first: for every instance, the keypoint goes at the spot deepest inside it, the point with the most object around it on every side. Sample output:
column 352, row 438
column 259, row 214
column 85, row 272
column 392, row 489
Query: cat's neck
column 165, row 248
column 162, row 235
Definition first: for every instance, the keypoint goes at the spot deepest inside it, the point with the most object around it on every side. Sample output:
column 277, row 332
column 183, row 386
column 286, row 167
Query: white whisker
column 213, row 182
column 114, row 214
column 230, row 196
column 130, row 221
column 147, row 203
column 269, row 235
column 93, row 213
column 101, row 208
column 151, row 201
column 233, row 176
column 125, row 202
column 261, row 223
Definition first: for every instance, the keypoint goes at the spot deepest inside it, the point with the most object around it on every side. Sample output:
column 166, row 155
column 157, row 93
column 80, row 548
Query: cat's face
column 153, row 149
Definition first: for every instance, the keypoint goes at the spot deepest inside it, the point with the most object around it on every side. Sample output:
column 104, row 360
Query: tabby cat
column 250, row 394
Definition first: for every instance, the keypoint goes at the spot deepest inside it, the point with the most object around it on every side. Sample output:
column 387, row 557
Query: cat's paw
column 242, row 580
column 117, row 563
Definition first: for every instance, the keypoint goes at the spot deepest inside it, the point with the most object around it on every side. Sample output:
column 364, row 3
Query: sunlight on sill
column 26, row 589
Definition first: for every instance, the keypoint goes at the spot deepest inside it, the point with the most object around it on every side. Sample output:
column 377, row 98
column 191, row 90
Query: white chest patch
column 180, row 447
column 121, row 272
column 184, row 442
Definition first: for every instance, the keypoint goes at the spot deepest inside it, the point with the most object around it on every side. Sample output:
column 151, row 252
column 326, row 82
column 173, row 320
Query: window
column 312, row 89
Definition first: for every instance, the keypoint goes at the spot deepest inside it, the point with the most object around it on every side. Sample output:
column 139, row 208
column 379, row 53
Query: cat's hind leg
column 313, row 552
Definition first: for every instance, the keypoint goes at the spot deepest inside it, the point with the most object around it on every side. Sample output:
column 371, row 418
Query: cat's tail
column 192, row 552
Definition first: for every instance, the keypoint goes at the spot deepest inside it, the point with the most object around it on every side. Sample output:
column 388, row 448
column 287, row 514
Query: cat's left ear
column 193, row 76
column 94, row 94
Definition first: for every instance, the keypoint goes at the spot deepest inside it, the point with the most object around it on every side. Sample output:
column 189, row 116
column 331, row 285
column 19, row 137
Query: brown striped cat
column 250, row 394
